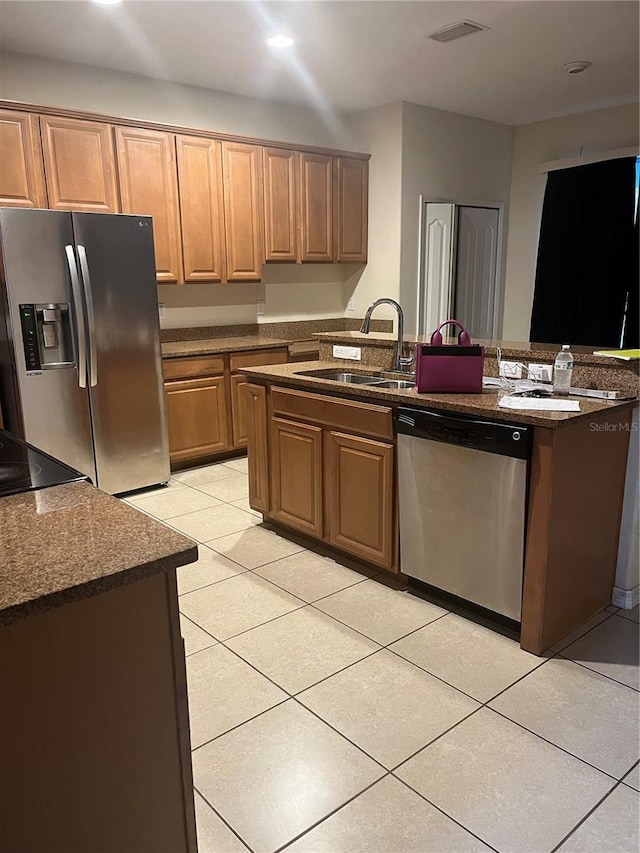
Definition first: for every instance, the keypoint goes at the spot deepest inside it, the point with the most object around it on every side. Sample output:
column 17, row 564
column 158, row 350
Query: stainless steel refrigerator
column 80, row 358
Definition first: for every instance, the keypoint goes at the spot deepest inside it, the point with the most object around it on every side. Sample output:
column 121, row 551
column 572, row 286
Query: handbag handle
column 463, row 338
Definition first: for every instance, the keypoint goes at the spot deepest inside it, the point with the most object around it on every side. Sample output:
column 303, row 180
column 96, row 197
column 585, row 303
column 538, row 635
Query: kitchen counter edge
column 482, row 405
column 70, row 542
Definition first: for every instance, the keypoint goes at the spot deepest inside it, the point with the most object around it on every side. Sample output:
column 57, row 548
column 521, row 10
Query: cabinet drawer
column 347, row 415
column 255, row 358
column 185, row 368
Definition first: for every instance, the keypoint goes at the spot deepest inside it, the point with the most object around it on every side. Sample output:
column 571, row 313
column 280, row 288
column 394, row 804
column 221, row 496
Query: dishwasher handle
column 475, row 433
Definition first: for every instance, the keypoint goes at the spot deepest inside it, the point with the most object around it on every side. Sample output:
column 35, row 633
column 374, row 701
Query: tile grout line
column 597, row 672
column 586, row 817
column 329, row 815
column 443, row 812
column 226, row 823
column 551, row 743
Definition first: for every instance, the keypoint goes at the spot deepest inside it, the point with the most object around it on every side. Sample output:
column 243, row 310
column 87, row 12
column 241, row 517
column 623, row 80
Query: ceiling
column 354, row 55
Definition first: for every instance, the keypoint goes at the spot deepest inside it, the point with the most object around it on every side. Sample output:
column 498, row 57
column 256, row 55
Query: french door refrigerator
column 80, row 358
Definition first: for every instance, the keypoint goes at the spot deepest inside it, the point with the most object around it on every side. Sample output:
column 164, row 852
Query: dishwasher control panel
column 476, row 433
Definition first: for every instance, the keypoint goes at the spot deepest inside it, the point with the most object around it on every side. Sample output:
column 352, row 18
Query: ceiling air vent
column 456, row 31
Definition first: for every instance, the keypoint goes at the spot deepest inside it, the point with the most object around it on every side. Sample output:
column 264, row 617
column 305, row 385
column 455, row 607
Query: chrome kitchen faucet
column 402, row 365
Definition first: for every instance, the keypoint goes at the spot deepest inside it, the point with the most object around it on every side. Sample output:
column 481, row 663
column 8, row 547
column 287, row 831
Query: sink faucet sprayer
column 400, row 364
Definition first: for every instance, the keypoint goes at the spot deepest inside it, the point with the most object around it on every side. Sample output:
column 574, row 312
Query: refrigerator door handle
column 88, row 294
column 79, row 312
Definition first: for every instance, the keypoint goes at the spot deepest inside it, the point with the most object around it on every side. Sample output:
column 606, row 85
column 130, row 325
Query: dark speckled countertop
column 484, row 404
column 214, row 346
column 74, row 541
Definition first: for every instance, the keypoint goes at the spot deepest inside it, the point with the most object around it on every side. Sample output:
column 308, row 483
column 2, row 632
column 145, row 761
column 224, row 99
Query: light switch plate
column 161, row 311
column 511, row 369
column 354, row 353
column 350, row 305
column 260, row 308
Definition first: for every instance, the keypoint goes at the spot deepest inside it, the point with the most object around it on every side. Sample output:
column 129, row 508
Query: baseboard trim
column 625, row 598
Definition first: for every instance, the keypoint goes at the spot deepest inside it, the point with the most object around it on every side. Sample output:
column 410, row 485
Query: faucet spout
column 400, row 364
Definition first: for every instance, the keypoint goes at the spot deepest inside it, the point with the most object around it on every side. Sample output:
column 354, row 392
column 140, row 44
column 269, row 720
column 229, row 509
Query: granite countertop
column 213, row 346
column 74, row 541
column 509, row 349
column 484, row 404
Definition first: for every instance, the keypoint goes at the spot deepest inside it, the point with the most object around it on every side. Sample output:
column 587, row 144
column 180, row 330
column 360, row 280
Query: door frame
column 498, row 308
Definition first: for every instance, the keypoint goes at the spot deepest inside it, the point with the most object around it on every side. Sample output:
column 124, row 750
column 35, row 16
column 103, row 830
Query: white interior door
column 475, row 270
column 436, row 278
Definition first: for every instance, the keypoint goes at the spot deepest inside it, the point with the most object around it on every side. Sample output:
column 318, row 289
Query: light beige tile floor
column 327, row 689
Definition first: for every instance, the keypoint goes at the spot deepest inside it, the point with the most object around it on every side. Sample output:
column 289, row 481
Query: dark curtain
column 632, row 329
column 585, row 267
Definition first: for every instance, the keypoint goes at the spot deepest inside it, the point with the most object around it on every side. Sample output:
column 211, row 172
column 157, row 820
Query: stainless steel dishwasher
column 463, row 488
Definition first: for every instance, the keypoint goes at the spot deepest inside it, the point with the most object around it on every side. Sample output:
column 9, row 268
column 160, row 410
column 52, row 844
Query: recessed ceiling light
column 108, row 2
column 280, row 41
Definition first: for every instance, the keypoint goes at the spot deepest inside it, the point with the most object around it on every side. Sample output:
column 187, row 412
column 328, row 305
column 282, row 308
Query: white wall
column 446, row 157
column 65, row 84
column 586, row 133
column 379, row 131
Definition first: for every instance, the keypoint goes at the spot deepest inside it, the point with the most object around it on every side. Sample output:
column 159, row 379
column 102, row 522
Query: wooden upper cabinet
column 352, row 184
column 201, row 208
column 316, row 207
column 21, row 173
column 80, row 165
column 149, row 186
column 243, row 211
column 280, row 204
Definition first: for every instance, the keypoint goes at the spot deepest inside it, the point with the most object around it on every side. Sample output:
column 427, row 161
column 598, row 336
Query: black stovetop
column 23, row 468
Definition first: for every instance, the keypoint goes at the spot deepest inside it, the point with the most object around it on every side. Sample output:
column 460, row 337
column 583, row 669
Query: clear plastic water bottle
column 562, row 370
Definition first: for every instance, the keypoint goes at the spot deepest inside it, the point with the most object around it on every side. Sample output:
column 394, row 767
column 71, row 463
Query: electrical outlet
column 350, row 305
column 260, row 308
column 540, row 372
column 162, row 311
column 354, row 353
column 511, row 369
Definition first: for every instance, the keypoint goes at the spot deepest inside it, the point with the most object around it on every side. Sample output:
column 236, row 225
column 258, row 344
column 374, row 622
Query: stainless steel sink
column 395, row 384
column 344, row 376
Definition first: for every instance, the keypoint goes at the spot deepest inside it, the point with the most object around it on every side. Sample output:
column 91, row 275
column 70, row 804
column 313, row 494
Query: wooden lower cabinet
column 258, row 446
column 326, row 480
column 296, row 475
column 197, row 418
column 238, row 385
column 360, row 489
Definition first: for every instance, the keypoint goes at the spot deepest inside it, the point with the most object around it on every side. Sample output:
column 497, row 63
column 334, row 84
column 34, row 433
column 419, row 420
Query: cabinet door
column 21, row 172
column 148, row 186
column 243, row 212
column 201, row 208
column 280, row 207
column 80, row 165
column 239, row 409
column 352, row 200
column 257, row 447
column 296, row 485
column 360, row 502
column 316, row 207
column 196, row 418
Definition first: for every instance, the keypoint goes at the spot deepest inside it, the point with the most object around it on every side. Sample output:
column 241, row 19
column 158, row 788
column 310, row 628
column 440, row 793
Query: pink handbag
column 449, row 368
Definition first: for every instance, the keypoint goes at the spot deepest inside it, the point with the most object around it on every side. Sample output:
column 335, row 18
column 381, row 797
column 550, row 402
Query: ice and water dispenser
column 46, row 335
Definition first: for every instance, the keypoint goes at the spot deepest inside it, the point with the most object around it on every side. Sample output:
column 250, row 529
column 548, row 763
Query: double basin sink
column 360, row 379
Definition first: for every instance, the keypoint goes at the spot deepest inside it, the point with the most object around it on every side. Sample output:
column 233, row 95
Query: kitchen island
column 94, row 732
column 322, row 460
